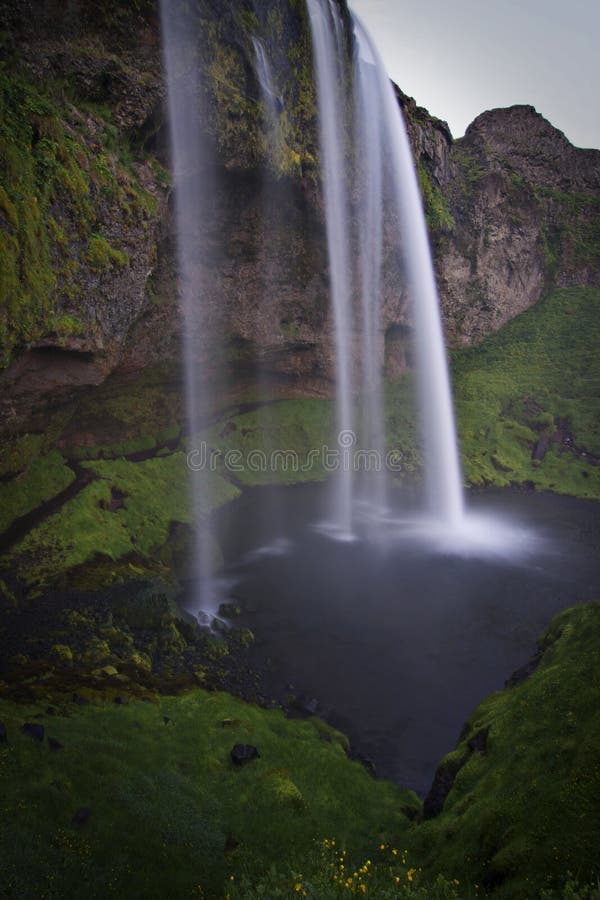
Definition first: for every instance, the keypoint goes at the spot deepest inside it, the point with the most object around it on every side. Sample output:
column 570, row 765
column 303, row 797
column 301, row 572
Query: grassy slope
column 525, row 813
column 153, row 494
column 45, row 478
column 170, row 812
column 541, row 369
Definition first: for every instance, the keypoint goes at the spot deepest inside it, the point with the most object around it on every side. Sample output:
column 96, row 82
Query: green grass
column 153, row 494
column 171, row 816
column 540, row 371
column 300, row 426
column 45, row 477
column 525, row 812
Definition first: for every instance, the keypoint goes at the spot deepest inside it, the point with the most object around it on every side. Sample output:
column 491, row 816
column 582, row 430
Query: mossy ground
column 536, row 378
column 524, row 814
column 170, row 814
column 45, row 478
column 127, row 511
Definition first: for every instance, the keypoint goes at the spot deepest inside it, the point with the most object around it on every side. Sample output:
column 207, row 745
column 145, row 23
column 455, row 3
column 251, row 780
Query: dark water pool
column 400, row 637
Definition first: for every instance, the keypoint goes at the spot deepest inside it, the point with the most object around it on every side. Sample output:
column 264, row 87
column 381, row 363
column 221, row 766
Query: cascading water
column 442, row 466
column 182, row 68
column 369, row 171
column 271, row 101
column 380, row 135
column 328, row 52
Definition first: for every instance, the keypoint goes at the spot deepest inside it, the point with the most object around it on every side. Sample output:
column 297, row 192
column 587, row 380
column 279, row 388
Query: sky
column 458, row 58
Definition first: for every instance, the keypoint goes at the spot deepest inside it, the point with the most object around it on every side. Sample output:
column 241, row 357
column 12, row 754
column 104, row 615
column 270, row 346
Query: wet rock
column 478, row 743
column 33, row 730
column 540, row 449
column 366, row 763
column 230, row 723
column 54, row 744
column 443, row 782
column 82, row 816
column 243, row 753
column 231, row 844
column 230, row 610
column 307, row 706
column 3, row 733
column 80, row 701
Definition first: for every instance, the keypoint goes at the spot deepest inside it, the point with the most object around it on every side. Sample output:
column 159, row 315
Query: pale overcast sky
column 460, row 57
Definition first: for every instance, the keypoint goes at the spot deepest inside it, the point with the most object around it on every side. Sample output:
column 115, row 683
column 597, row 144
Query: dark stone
column 230, row 610
column 308, row 706
column 243, row 753
column 478, row 743
column 228, row 429
column 411, row 812
column 230, row 844
column 82, row 816
column 121, row 701
column 3, row 732
column 540, row 449
column 443, row 782
column 524, row 672
column 366, row 763
column 80, row 701
column 33, row 730
column 220, row 627
column 117, row 500
column 54, row 744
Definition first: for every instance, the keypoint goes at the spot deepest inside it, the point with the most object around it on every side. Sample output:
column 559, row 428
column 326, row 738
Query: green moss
column 54, row 194
column 533, row 378
column 278, row 443
column 43, row 479
column 166, row 800
column 471, row 169
column 150, row 496
column 522, row 815
column 101, row 255
column 439, row 217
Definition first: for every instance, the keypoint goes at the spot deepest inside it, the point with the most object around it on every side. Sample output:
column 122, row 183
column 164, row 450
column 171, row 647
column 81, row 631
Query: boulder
column 33, row 730
column 243, row 753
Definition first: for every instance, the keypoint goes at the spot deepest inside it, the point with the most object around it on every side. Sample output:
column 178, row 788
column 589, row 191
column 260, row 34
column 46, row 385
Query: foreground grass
column 538, row 378
column 171, row 816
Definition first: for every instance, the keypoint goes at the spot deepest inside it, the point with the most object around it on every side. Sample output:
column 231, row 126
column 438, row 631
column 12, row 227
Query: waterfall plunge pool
column 400, row 633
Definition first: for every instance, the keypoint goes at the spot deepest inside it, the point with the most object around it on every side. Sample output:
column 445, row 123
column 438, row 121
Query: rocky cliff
column 86, row 234
column 513, row 210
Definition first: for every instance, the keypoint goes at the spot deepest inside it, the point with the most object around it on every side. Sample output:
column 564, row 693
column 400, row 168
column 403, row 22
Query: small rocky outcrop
column 242, row 754
column 446, row 772
column 33, row 730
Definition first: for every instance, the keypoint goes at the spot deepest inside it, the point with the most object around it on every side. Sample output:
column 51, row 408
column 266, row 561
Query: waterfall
column 329, row 56
column 369, row 172
column 272, row 101
column 182, row 68
column 442, row 467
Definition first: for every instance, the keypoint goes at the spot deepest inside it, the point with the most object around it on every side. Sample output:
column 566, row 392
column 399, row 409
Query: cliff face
column 87, row 233
column 520, row 211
